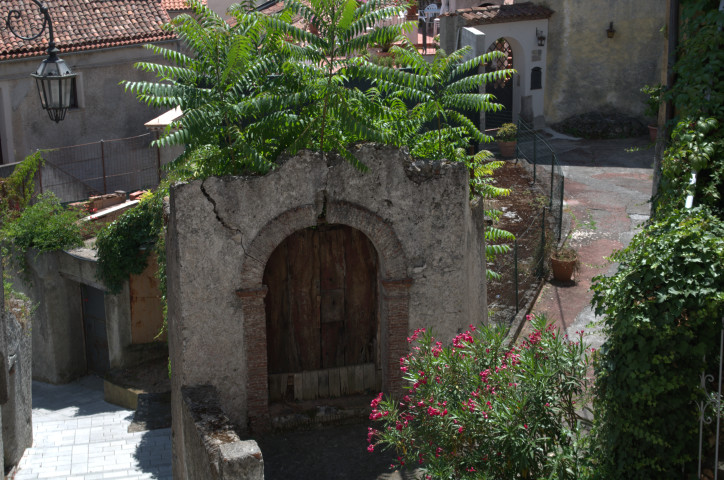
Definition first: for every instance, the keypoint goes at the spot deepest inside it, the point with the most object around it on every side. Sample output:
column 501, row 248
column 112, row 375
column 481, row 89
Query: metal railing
column 76, row 172
column 710, row 407
column 520, row 269
column 547, row 172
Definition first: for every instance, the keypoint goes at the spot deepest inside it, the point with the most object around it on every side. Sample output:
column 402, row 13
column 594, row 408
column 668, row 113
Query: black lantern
column 610, row 32
column 541, row 37
column 53, row 77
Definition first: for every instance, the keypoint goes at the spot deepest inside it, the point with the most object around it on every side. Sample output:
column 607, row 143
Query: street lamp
column 53, row 77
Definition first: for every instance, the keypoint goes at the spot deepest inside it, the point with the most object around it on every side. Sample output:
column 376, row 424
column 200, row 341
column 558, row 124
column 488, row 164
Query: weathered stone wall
column 15, row 379
column 222, row 231
column 17, row 424
column 212, row 449
column 57, row 319
column 587, row 71
column 52, row 282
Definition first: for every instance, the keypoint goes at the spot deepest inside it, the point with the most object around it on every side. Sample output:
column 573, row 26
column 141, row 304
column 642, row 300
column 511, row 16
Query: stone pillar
column 257, row 384
column 396, row 311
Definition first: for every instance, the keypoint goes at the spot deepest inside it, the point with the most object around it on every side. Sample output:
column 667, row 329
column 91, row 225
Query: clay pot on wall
column 506, row 137
column 564, row 264
column 653, row 132
column 507, row 149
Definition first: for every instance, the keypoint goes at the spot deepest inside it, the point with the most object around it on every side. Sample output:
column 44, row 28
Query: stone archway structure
column 222, row 231
column 394, row 293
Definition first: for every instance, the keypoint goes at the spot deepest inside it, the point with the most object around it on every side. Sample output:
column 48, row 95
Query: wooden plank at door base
column 310, row 384
column 369, row 376
column 344, row 381
column 359, row 379
column 323, row 379
column 335, row 389
column 276, row 390
column 298, row 386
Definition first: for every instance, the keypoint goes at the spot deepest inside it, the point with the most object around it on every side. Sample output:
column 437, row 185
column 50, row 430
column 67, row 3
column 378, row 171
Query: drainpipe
column 690, row 197
column 692, row 181
column 667, row 107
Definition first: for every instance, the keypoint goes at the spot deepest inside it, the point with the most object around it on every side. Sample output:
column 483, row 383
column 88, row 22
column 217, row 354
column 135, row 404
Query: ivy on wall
column 663, row 307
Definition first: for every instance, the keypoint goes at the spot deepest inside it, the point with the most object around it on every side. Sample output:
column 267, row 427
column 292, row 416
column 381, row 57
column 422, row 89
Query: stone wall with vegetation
column 222, row 230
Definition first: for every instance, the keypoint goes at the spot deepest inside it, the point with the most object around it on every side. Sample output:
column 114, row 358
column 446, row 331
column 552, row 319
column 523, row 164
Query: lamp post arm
column 47, row 22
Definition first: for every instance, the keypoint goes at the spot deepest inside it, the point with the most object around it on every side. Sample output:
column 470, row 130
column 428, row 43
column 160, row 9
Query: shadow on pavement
column 330, row 453
column 153, row 454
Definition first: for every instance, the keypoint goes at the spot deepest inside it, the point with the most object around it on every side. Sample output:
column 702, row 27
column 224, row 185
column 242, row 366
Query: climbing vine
column 663, row 307
column 124, row 245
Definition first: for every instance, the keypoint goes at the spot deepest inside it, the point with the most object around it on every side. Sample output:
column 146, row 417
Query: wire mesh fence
column 520, row 269
column 526, row 263
column 547, row 172
column 74, row 173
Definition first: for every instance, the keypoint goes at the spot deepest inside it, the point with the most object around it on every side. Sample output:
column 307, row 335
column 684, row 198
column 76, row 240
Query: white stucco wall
column 527, row 54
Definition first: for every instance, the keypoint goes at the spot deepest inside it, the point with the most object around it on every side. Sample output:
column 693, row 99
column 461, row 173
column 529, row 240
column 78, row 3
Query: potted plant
column 653, row 101
column 506, row 137
column 565, row 263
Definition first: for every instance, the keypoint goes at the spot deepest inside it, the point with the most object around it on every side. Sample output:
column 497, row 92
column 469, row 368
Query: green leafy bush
column 508, row 132
column 17, row 190
column 124, row 245
column 663, row 311
column 478, row 409
column 653, row 99
column 45, row 226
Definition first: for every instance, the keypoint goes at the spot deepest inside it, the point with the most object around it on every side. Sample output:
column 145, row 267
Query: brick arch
column 393, row 298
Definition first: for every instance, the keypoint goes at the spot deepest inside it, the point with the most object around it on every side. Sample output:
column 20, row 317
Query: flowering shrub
column 476, row 409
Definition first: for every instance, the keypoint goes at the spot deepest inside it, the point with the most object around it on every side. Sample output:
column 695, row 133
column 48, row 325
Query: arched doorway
column 322, row 315
column 503, row 88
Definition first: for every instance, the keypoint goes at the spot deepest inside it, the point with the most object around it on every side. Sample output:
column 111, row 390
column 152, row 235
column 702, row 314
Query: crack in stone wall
column 237, row 236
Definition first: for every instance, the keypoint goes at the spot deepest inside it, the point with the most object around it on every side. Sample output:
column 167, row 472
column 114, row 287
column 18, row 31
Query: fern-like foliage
column 440, row 91
column 482, row 167
column 217, row 87
column 337, row 115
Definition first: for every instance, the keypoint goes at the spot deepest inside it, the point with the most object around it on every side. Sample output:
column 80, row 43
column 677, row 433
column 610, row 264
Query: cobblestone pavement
column 79, row 436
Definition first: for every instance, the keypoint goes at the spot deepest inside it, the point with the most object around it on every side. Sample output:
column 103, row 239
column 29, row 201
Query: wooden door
column 321, row 311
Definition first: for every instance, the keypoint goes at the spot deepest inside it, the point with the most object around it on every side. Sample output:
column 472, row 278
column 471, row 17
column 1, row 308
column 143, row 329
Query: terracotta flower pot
column 563, row 269
column 507, row 149
column 653, row 132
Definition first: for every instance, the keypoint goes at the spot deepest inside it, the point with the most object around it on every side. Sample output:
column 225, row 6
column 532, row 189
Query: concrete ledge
column 519, row 320
column 212, row 450
column 121, row 396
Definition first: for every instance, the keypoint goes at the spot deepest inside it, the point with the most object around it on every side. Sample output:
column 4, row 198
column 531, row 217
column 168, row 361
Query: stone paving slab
column 79, row 436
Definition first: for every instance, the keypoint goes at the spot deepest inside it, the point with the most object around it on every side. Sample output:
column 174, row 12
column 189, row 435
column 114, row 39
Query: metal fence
column 523, row 267
column 547, row 171
column 76, row 172
column 520, row 269
column 710, row 407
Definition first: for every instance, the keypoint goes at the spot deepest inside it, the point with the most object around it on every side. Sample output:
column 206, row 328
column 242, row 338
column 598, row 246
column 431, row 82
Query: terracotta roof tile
column 177, row 5
column 503, row 13
column 83, row 25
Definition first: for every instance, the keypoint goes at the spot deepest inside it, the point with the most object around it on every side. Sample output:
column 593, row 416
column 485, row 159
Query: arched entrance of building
column 322, row 315
column 503, row 88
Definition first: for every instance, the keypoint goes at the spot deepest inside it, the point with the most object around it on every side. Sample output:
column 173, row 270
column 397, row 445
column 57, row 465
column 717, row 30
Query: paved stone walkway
column 79, row 436
column 607, row 191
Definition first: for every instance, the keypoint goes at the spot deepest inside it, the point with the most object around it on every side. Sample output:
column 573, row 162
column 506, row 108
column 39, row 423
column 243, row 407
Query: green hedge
column 663, row 314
